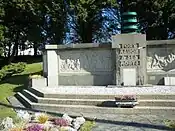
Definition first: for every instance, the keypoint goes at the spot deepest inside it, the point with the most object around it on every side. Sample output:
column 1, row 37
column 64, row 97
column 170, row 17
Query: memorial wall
column 160, row 61
column 130, row 61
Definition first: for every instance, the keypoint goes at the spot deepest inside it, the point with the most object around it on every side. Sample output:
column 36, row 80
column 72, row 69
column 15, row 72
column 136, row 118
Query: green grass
column 87, row 126
column 14, row 84
column 170, row 123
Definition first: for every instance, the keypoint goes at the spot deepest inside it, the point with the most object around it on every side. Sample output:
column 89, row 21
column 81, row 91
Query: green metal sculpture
column 129, row 23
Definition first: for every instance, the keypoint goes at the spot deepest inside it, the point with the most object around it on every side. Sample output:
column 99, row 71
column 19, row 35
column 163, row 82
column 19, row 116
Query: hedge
column 11, row 69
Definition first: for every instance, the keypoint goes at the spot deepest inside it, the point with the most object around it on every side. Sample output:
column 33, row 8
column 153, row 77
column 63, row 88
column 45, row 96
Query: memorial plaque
column 129, row 55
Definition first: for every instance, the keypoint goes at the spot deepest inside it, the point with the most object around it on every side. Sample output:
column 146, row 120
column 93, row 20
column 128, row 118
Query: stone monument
column 130, row 53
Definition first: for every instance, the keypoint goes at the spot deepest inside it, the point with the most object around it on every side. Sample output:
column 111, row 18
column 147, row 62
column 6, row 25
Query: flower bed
column 42, row 122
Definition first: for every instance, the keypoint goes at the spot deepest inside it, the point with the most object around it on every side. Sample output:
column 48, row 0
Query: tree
column 25, row 20
column 87, row 18
column 2, row 28
column 49, row 25
column 156, row 17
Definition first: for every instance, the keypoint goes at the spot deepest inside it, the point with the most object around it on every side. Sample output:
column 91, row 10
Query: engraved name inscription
column 129, row 55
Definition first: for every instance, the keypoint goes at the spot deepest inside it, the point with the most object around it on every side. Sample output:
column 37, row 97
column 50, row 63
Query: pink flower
column 35, row 127
column 61, row 122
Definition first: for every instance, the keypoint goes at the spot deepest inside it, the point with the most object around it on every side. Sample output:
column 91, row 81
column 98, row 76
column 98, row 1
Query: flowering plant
column 126, row 97
column 35, row 127
column 61, row 122
column 42, row 122
column 42, row 118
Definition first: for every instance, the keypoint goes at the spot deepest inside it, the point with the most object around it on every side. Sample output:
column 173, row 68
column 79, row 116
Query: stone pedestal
column 37, row 82
column 130, row 54
column 52, row 68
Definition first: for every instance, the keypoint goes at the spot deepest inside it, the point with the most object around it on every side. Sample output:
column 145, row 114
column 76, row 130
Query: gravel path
column 108, row 91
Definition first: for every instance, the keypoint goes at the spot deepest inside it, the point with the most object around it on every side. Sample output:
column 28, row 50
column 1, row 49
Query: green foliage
column 15, row 84
column 156, row 17
column 85, row 17
column 87, row 126
column 88, row 18
column 27, row 23
column 11, row 69
column 2, row 74
column 170, row 123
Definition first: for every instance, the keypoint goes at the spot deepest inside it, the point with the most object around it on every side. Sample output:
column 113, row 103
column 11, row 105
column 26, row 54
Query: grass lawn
column 14, row 84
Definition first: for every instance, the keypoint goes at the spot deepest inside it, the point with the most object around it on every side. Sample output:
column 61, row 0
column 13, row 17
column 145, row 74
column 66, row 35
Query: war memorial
column 99, row 78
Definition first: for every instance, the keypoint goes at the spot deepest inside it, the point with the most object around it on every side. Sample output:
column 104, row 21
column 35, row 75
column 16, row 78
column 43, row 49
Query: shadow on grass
column 21, row 81
column 28, row 59
column 137, row 125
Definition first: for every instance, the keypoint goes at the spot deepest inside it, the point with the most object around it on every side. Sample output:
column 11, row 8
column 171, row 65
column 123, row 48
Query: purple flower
column 126, row 97
column 35, row 127
column 61, row 122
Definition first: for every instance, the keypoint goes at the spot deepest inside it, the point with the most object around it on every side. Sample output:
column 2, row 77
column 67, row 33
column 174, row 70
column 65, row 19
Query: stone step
column 96, row 96
column 24, row 100
column 100, row 102
column 31, row 96
column 95, row 109
column 159, row 102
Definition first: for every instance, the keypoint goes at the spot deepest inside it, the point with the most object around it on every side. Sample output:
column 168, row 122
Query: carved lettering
column 129, row 63
column 129, row 55
column 128, row 51
column 129, row 45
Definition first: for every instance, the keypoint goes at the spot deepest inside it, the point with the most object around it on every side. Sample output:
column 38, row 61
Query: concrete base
column 38, row 82
column 169, row 80
column 85, row 79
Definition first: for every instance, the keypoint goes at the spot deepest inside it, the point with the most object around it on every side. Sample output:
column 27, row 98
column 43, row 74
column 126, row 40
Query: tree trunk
column 86, row 32
column 165, row 16
column 35, row 49
column 9, row 51
column 16, row 50
column 15, row 47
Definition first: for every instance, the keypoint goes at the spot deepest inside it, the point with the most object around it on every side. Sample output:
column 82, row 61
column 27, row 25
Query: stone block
column 129, row 77
column 169, row 80
column 37, row 82
column 130, row 53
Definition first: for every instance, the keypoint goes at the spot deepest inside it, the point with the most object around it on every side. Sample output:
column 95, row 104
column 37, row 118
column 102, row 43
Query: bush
column 170, row 123
column 12, row 69
column 2, row 74
column 3, row 61
column 87, row 126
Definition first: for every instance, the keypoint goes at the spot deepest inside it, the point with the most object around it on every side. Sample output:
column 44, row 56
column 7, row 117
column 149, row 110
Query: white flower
column 80, row 120
column 24, row 115
column 7, row 123
column 76, row 125
column 67, row 118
